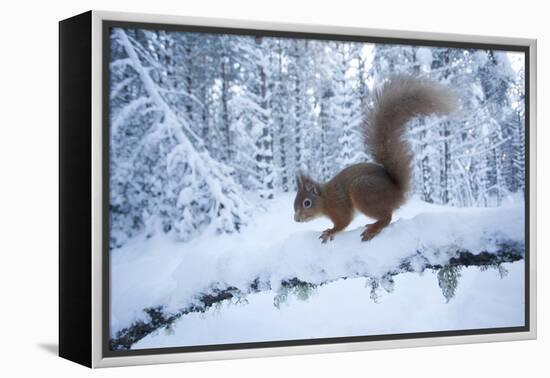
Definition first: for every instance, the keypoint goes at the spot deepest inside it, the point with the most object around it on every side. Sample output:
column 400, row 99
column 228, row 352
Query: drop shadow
column 51, row 348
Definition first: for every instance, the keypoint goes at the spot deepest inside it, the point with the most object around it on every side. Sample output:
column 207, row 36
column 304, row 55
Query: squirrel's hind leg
column 374, row 229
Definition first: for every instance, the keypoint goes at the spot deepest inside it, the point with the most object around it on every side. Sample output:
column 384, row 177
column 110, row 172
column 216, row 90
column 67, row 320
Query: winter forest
column 207, row 133
column 202, row 122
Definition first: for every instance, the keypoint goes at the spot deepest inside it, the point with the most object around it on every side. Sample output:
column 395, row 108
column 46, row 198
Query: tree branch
column 507, row 252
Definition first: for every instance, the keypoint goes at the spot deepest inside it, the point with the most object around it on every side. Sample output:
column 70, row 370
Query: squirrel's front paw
column 369, row 233
column 327, row 235
column 366, row 235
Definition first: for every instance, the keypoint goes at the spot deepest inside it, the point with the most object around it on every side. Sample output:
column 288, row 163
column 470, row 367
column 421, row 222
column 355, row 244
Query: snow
column 344, row 308
column 424, row 56
column 195, row 144
column 505, row 65
column 161, row 271
column 480, row 57
column 189, row 136
column 517, row 61
column 216, row 194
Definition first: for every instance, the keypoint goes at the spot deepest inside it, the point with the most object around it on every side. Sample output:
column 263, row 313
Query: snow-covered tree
column 201, row 124
column 167, row 172
column 467, row 159
column 347, row 105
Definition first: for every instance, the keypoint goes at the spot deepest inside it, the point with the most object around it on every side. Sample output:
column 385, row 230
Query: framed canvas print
column 236, row 188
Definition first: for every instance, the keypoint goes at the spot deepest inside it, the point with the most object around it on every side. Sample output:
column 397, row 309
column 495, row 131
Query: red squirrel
column 375, row 189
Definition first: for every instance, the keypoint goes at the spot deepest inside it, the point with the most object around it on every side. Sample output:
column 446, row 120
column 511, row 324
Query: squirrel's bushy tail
column 397, row 101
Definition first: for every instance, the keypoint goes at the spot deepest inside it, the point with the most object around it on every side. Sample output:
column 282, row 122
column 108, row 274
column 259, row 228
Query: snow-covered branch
column 447, row 240
column 207, row 192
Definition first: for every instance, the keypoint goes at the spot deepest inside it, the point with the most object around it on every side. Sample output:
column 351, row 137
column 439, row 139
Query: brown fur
column 395, row 103
column 376, row 190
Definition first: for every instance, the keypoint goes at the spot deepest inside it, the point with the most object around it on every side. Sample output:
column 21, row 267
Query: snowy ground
column 163, row 272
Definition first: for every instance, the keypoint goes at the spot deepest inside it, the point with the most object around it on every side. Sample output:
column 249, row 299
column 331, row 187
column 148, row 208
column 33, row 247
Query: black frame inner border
column 107, row 25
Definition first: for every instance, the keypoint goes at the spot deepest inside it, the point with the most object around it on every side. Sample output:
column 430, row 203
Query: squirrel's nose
column 296, row 217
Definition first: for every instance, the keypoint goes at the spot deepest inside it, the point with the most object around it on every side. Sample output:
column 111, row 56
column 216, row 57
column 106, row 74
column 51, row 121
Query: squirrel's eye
column 307, row 203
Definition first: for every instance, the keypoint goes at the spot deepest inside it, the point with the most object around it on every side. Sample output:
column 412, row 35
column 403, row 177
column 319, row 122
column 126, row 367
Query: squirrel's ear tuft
column 300, row 180
column 307, row 183
column 313, row 188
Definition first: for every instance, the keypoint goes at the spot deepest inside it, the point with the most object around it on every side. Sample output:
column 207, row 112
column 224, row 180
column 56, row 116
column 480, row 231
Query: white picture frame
column 96, row 355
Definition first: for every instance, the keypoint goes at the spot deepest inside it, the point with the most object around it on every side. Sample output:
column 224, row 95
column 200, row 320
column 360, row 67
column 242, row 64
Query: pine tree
column 168, row 174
